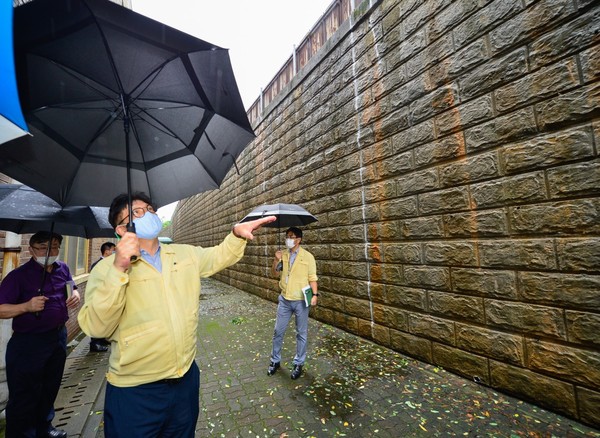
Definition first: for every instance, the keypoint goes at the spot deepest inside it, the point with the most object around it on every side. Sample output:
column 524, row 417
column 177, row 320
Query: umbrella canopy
column 118, row 101
column 24, row 210
column 288, row 215
column 12, row 124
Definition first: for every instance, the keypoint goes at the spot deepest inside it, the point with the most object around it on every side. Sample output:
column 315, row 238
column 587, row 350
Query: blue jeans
column 159, row 409
column 285, row 310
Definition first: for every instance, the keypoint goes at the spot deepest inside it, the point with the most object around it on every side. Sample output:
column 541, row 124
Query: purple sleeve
column 9, row 289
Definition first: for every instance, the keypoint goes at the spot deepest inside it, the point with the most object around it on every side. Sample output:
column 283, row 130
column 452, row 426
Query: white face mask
column 290, row 243
column 42, row 260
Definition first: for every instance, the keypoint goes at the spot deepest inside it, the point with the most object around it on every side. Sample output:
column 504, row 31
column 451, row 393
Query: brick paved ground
column 351, row 387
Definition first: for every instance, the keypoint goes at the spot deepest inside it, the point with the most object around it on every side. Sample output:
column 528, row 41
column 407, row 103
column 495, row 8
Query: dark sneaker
column 296, row 372
column 272, row 368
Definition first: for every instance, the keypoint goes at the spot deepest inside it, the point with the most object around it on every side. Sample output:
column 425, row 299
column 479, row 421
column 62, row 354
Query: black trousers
column 35, row 363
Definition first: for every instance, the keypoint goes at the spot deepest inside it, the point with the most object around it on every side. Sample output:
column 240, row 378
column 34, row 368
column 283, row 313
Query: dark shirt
column 23, row 283
column 95, row 263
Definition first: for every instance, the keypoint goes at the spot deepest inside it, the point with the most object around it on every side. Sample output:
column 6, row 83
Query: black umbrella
column 288, row 215
column 114, row 99
column 24, row 210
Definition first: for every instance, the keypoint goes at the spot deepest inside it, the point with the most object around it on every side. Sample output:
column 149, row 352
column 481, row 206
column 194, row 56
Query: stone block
column 438, row 51
column 501, row 130
column 476, row 223
column 458, row 63
column 580, row 32
column 415, row 182
column 427, row 276
column 561, row 289
column 590, row 63
column 338, row 217
column 450, row 17
column 414, row 136
column 574, row 179
column 471, row 169
column 451, row 146
column 443, row 201
column 528, row 385
column 583, row 327
column 465, row 115
column 486, row 283
column 346, row 322
column 544, row 83
column 380, row 334
column 434, row 103
column 487, row 18
column 368, row 213
column 408, row 48
column 397, row 208
column 497, row 345
column 457, row 307
column 493, row 74
column 580, row 104
column 407, row 297
column 565, row 362
column 526, row 254
column 431, row 327
column 411, row 345
column 578, row 255
column 526, row 318
column 452, row 253
column 405, row 253
column 526, row 188
column 589, row 406
column 461, row 362
column 529, row 23
column 548, row 150
column 390, row 317
column 425, row 227
column 396, row 165
column 569, row 217
column 392, row 274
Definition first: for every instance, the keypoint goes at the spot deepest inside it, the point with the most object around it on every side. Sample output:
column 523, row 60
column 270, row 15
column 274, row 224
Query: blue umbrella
column 12, row 123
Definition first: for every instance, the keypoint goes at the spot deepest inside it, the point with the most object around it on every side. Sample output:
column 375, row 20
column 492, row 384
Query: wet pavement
column 350, row 386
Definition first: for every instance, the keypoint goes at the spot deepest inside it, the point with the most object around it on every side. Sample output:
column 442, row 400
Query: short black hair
column 105, row 246
column 297, row 231
column 122, row 201
column 44, row 237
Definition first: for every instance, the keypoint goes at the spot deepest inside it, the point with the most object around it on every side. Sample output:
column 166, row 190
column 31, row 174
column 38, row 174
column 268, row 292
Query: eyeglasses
column 138, row 212
column 45, row 248
column 290, row 237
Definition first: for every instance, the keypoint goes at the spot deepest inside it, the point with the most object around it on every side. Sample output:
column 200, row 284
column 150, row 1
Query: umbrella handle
column 37, row 314
column 131, row 229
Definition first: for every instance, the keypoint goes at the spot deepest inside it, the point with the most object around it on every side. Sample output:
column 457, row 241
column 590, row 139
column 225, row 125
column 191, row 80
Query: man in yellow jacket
column 144, row 299
column 297, row 270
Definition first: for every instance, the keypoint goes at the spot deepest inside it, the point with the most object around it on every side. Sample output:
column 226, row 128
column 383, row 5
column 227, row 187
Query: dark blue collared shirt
column 23, row 283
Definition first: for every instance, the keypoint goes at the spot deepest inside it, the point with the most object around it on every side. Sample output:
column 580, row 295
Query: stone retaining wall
column 450, row 152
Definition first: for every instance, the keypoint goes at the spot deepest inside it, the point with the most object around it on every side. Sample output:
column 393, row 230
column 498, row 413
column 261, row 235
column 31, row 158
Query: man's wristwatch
column 315, row 295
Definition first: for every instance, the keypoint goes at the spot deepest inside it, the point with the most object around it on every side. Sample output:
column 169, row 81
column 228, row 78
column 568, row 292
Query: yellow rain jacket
column 151, row 318
column 303, row 270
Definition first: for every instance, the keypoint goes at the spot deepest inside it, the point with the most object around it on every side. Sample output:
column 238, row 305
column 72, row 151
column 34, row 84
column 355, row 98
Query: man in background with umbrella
column 37, row 351
column 297, row 270
column 145, row 300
